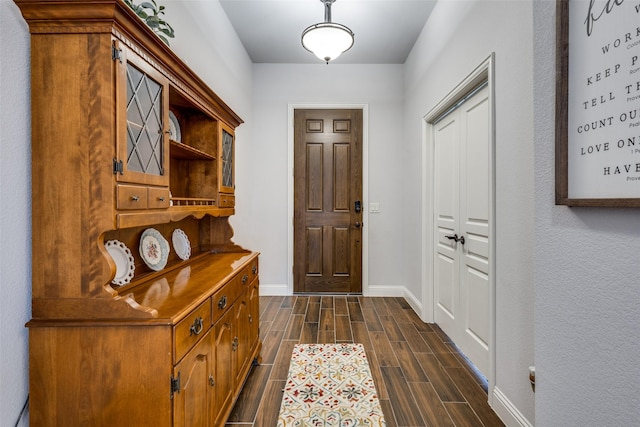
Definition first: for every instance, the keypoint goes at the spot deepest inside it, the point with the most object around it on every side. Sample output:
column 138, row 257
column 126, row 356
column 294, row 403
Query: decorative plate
column 125, row 264
column 154, row 249
column 174, row 128
column 181, row 244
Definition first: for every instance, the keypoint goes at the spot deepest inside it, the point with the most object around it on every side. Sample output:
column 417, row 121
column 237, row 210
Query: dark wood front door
column 328, row 201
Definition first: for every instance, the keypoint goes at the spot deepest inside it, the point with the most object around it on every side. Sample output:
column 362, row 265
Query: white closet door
column 462, row 179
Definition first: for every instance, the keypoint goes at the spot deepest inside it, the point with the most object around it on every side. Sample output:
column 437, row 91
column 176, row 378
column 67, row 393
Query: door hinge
column 175, row 384
column 118, row 167
column 116, row 53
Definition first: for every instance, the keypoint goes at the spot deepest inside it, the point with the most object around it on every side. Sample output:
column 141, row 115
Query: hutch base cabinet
column 144, row 311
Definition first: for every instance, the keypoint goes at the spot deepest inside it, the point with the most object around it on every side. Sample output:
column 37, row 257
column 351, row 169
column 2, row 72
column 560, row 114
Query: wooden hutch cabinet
column 128, row 144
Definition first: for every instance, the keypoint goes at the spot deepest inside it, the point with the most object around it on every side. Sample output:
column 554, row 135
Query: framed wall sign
column 598, row 103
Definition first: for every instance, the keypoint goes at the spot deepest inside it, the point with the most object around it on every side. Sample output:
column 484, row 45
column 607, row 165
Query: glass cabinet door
column 144, row 102
column 227, row 173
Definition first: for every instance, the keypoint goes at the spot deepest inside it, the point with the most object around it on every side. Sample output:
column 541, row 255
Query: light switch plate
column 374, row 207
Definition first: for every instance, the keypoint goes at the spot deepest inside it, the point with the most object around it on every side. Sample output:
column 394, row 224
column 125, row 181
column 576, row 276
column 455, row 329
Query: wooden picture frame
column 597, row 103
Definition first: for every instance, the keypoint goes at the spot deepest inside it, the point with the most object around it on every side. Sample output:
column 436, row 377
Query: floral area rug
column 330, row 385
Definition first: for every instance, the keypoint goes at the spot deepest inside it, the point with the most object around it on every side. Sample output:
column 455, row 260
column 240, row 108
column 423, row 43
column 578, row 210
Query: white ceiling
column 385, row 30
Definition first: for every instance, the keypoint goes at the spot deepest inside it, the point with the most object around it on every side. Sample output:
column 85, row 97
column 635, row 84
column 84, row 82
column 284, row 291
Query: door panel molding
column 482, row 252
column 339, row 126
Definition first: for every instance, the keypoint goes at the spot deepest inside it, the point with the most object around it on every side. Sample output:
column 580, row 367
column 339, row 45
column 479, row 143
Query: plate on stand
column 174, row 128
column 154, row 249
column 181, row 244
column 125, row 263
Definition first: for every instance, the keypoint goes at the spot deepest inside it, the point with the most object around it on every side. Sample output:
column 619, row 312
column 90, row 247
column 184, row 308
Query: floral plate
column 154, row 249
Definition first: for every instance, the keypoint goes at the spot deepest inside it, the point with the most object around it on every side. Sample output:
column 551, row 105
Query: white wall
column 459, row 37
column 15, row 211
column 278, row 85
column 587, row 286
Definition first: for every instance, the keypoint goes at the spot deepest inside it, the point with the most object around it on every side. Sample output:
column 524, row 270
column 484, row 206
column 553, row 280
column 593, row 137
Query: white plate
column 174, row 127
column 125, row 263
column 154, row 249
column 181, row 244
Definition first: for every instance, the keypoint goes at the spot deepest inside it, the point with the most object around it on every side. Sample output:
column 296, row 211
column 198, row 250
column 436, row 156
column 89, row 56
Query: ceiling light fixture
column 327, row 40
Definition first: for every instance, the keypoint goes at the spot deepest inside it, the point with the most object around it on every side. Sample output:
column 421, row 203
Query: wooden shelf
column 179, row 150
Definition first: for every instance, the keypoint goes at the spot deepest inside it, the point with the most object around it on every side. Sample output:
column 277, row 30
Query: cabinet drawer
column 252, row 270
column 190, row 329
column 226, row 201
column 225, row 297
column 158, row 198
column 132, row 197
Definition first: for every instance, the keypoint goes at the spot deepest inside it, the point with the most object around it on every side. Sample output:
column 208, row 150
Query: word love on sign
column 603, row 101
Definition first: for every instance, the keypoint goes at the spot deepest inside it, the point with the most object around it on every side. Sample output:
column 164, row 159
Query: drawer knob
column 212, row 382
column 235, row 344
column 222, row 303
column 161, row 199
column 254, row 270
column 250, row 319
column 197, row 326
column 135, row 198
column 244, row 279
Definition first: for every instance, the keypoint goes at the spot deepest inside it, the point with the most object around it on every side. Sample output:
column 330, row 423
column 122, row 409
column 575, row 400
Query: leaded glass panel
column 144, row 123
column 227, row 159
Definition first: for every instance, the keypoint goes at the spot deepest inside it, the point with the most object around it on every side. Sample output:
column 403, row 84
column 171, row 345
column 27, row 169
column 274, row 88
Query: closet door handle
column 455, row 238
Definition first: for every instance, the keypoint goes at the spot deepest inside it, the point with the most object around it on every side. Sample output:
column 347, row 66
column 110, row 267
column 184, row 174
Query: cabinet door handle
column 254, row 270
column 222, row 303
column 161, row 199
column 135, row 198
column 197, row 327
column 250, row 319
column 235, row 344
column 212, row 382
column 244, row 279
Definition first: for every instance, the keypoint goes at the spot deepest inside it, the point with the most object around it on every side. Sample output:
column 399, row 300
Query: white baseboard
column 507, row 411
column 273, row 290
column 385, row 291
column 414, row 302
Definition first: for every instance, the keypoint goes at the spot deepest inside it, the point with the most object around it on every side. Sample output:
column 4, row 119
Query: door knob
column 358, row 224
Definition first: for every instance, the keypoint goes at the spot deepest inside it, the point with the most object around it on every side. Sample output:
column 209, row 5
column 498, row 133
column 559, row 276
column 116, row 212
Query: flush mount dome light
column 327, row 40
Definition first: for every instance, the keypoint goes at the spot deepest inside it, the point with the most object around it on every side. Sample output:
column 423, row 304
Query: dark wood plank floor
column 421, row 377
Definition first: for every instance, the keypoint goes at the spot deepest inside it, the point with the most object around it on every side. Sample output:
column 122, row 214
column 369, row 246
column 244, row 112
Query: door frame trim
column 365, row 185
column 485, row 71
